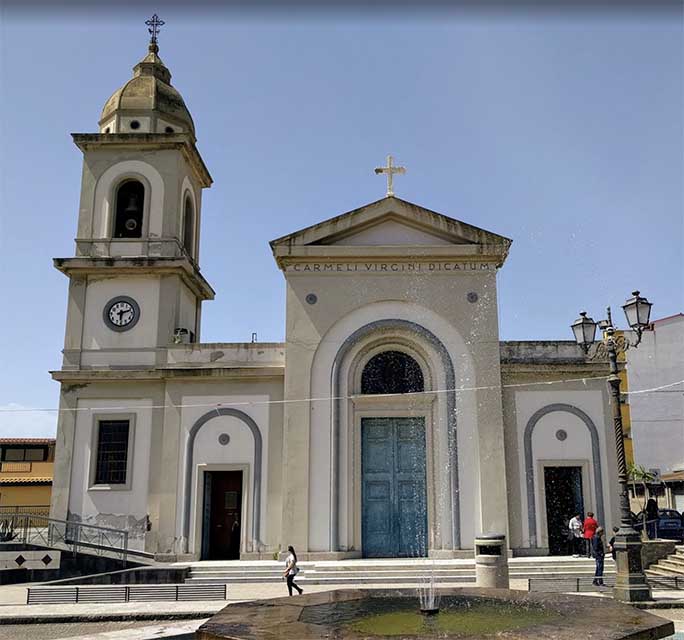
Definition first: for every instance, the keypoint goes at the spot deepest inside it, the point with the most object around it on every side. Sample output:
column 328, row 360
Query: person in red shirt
column 589, row 531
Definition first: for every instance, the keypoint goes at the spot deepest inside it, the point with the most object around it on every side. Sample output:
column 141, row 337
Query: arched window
column 189, row 227
column 130, row 199
column 392, row 372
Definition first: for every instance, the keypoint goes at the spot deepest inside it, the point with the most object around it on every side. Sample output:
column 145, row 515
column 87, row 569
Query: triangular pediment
column 391, row 222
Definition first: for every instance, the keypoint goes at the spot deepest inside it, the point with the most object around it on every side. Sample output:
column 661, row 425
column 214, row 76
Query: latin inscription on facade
column 388, row 267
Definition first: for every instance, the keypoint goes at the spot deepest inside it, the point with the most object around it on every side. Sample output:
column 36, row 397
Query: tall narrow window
column 112, row 451
column 189, row 227
column 130, row 199
column 392, row 372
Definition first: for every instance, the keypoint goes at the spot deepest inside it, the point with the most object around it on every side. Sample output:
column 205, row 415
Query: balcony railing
column 15, row 467
column 31, row 509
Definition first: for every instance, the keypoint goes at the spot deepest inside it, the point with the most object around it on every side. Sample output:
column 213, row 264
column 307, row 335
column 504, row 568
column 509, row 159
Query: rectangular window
column 35, row 455
column 13, row 454
column 112, row 451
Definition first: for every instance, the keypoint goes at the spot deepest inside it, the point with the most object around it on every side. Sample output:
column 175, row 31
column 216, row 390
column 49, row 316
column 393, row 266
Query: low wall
column 70, row 565
column 28, row 559
column 137, row 575
column 654, row 550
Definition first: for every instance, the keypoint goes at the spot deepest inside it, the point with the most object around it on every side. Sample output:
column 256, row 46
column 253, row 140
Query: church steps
column 345, row 580
column 389, row 573
column 671, row 567
column 392, row 571
column 383, row 579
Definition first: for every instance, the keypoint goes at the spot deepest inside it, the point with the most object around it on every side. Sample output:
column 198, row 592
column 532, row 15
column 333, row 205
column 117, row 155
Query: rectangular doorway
column 394, row 501
column 222, row 515
column 564, row 499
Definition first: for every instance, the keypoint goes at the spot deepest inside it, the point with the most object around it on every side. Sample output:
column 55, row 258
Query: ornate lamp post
column 630, row 583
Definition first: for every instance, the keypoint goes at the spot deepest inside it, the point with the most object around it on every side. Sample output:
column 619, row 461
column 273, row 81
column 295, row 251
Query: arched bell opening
column 129, row 207
column 189, row 226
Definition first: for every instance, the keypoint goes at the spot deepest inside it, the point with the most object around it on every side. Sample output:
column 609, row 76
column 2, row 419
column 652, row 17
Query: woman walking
column 599, row 549
column 291, row 570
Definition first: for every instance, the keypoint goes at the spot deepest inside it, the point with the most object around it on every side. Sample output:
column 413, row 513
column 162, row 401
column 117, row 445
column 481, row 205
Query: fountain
column 474, row 613
column 428, row 594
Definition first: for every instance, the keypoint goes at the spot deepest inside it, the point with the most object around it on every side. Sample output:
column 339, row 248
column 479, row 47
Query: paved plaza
column 177, row 620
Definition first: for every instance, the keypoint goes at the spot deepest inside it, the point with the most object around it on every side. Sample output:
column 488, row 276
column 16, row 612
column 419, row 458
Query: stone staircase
column 407, row 571
column 670, row 567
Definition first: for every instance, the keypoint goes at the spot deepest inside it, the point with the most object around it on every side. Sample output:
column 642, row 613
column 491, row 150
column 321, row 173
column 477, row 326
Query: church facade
column 391, row 422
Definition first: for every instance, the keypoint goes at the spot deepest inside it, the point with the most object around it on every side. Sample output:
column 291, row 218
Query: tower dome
column 147, row 103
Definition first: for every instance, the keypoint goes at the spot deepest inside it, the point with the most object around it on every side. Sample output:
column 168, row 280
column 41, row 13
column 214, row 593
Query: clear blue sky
column 561, row 131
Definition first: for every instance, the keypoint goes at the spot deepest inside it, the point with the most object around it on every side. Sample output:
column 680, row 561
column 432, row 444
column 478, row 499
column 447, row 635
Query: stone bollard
column 491, row 561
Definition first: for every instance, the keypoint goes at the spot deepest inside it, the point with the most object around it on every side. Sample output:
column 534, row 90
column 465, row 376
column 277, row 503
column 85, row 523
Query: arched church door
column 393, row 491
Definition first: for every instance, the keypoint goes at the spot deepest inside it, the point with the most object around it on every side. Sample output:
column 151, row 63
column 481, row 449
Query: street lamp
column 630, row 583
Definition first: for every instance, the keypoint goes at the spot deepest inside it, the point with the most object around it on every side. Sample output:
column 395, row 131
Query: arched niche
column 529, row 463
column 257, row 463
column 419, row 334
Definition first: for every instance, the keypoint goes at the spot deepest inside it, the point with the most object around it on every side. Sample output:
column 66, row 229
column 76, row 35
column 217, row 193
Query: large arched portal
column 393, row 463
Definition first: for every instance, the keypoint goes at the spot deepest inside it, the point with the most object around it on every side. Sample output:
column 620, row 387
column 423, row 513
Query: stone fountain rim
column 592, row 618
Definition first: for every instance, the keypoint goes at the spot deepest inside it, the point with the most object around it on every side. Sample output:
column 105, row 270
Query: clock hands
column 121, row 314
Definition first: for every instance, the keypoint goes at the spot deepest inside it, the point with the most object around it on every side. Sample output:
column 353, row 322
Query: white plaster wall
column 104, row 197
column 321, row 387
column 545, row 446
column 145, row 124
column 162, row 124
column 658, row 417
column 111, row 124
column 392, row 233
column 118, row 508
column 240, row 450
column 97, row 335
column 187, row 309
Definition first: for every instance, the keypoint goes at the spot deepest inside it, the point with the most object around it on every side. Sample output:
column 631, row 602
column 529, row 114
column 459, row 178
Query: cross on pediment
column 390, row 170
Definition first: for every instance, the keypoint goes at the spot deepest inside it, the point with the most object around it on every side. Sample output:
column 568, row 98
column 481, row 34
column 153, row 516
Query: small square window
column 112, row 451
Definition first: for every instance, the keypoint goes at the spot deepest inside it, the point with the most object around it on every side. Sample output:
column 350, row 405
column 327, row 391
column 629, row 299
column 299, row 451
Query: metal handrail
column 53, row 533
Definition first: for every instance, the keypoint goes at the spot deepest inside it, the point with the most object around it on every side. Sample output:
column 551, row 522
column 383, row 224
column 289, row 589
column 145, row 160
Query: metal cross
column 390, row 170
column 154, row 23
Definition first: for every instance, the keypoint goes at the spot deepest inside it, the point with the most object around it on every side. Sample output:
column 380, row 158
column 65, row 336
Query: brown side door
column 225, row 523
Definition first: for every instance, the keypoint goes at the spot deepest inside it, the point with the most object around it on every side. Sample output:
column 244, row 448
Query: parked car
column 670, row 525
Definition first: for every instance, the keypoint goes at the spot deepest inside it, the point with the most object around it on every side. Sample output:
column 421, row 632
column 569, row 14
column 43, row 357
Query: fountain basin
column 477, row 614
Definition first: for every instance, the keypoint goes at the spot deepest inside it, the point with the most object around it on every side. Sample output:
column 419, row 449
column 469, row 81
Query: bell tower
column 135, row 282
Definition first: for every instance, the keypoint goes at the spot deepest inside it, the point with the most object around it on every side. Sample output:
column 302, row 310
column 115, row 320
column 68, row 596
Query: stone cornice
column 184, row 373
column 183, row 142
column 288, row 255
column 183, row 267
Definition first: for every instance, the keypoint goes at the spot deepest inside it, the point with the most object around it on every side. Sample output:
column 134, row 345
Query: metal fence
column 64, row 534
column 585, row 583
column 34, row 510
column 125, row 593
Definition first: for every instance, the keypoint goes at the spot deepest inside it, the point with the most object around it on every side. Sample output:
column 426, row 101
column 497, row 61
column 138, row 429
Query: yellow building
column 26, row 469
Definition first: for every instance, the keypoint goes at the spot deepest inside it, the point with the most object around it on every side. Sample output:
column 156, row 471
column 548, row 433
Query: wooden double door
column 222, row 521
column 394, row 500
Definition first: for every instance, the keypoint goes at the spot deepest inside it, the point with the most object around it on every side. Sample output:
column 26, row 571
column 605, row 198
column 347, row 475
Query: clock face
column 121, row 314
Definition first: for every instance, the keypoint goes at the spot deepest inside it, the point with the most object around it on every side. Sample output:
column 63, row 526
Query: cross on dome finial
column 153, row 27
column 390, row 170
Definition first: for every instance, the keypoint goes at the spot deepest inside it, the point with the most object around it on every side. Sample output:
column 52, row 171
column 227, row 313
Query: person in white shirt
column 575, row 535
column 291, row 570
